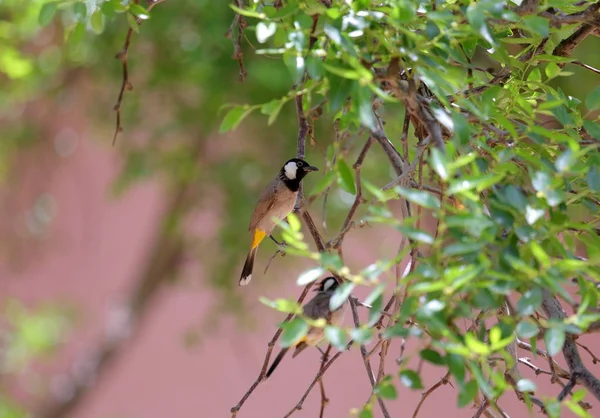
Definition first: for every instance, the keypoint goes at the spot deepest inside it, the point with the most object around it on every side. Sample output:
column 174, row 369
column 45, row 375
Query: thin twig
column 122, row 56
column 367, row 363
column 324, row 399
column 335, row 242
column 270, row 346
column 319, row 375
column 443, row 381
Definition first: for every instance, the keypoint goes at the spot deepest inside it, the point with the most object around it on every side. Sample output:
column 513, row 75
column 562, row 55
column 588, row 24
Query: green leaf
column 416, row 234
column 366, row 412
column 593, row 128
column 554, row 339
column 456, row 364
column 476, row 346
column 361, row 335
column 97, row 22
column 421, row 198
column 247, row 13
column 80, row 10
column 527, row 329
column 386, row 389
column 336, row 337
column 439, row 162
column 593, row 178
column 294, row 222
column 234, row 117
column 411, row 379
column 294, row 331
column 433, row 357
column 363, row 98
column 309, row 276
column 537, row 25
column 47, row 13
column 349, row 73
column 592, row 101
column 529, row 302
column 552, row 70
column 346, row 176
column 139, row 11
column 467, row 393
column 133, row 24
column 340, row 295
column 282, row 305
column 323, row 183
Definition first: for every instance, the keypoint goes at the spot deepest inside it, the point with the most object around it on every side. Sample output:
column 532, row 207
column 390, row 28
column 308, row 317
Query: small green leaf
column 593, row 128
column 467, row 393
column 234, row 117
column 539, row 254
column 264, row 31
column 456, row 364
column 529, row 302
column 366, row 411
column 593, row 178
column 80, row 10
column 133, row 24
column 361, row 335
column 139, row 11
column 336, row 337
column 346, row 176
column 537, row 24
column 411, row 379
column 247, row 13
column 47, row 13
column 385, row 389
column 282, row 305
column 526, row 385
column 439, row 162
column 421, row 198
column 554, row 339
column 97, row 22
column 552, row 70
column 416, row 234
column 433, row 357
column 309, row 276
column 592, row 101
column 323, row 183
column 293, row 331
column 527, row 329
column 475, row 345
column 294, row 222
column 340, row 295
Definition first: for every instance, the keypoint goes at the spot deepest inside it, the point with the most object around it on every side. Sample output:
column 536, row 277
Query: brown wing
column 318, row 307
column 266, row 200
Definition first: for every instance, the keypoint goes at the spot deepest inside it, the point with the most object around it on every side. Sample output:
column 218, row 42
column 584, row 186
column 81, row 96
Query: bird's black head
column 328, row 284
column 293, row 171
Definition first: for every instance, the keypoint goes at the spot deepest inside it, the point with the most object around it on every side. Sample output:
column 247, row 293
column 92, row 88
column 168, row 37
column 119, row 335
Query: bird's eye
column 299, row 163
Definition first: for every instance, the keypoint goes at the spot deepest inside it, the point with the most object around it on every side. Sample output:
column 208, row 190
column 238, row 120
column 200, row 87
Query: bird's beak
column 311, row 168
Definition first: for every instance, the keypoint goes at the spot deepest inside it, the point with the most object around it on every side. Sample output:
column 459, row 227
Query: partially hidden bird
column 277, row 200
column 317, row 307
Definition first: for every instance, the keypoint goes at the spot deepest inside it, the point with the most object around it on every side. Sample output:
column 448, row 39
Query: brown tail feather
column 276, row 361
column 248, row 266
column 299, row 348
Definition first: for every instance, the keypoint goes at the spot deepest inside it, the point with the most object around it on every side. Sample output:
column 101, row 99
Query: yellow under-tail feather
column 259, row 235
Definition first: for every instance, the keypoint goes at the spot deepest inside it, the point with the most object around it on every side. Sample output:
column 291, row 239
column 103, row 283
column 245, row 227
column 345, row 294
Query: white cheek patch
column 290, row 170
column 328, row 284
